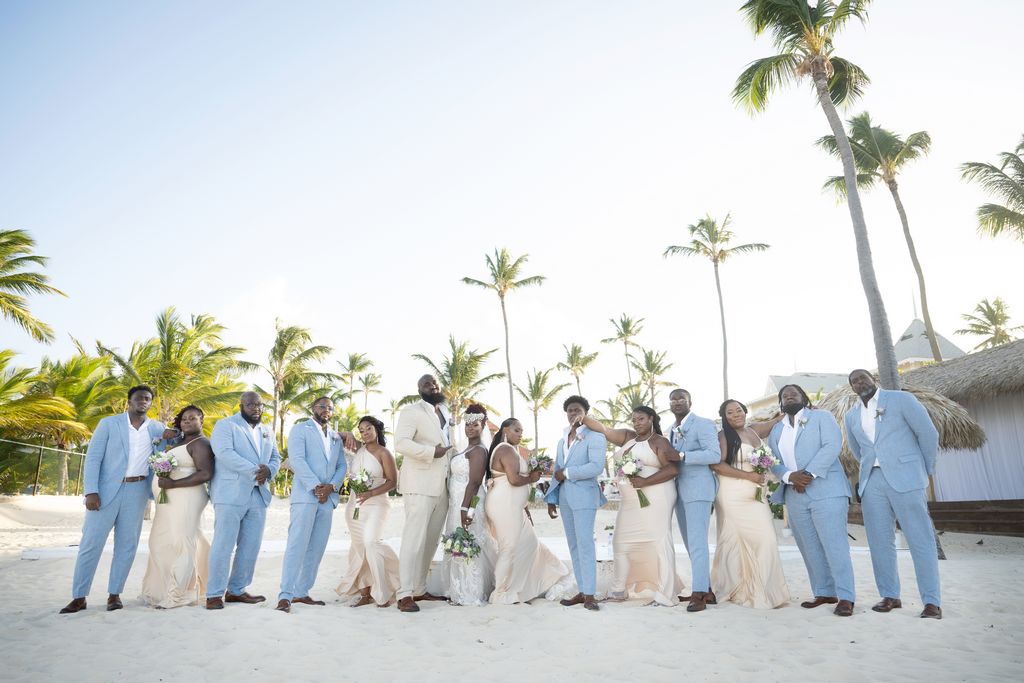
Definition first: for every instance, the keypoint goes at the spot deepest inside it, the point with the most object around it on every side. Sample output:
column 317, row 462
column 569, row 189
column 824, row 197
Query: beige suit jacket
column 417, row 433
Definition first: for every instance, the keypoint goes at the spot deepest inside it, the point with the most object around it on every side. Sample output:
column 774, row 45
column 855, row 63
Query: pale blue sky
column 341, row 165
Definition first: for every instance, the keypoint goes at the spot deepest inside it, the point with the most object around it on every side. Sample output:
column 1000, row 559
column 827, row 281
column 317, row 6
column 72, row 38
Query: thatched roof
column 986, row 373
column 957, row 429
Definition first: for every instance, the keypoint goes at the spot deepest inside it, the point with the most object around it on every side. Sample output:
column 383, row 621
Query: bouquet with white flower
column 162, row 465
column 460, row 543
column 360, row 482
column 630, row 466
column 543, row 464
column 763, row 460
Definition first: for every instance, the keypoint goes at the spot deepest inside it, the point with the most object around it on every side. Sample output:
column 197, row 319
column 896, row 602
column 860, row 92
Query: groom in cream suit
column 423, row 439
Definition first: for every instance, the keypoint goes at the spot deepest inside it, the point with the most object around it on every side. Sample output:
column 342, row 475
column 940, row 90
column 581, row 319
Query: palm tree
column 651, row 369
column 625, row 329
column 368, row 384
column 16, row 248
column 355, row 364
column 291, row 380
column 879, row 155
column 1007, row 180
column 538, row 397
column 504, row 272
column 711, row 241
column 805, row 34
column 459, row 375
column 24, row 413
column 575, row 363
column 394, row 407
column 992, row 323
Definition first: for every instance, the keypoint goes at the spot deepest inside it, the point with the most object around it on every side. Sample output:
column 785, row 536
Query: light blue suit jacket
column 699, row 444
column 106, row 459
column 817, row 450
column 311, row 466
column 235, row 460
column 906, row 441
column 585, row 462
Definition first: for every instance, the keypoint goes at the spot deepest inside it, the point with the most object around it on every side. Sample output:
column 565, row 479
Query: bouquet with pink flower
column 162, row 464
column 360, row 482
column 763, row 460
column 629, row 466
column 543, row 464
column 460, row 543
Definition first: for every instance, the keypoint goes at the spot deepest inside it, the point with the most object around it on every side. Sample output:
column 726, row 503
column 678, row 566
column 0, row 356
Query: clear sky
column 341, row 165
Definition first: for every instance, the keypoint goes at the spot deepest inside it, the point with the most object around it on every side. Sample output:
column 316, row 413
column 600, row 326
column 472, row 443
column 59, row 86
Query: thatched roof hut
column 977, row 375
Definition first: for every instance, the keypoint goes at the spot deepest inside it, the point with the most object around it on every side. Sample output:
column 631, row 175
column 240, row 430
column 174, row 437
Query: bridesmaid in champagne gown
column 525, row 568
column 372, row 565
column 747, row 569
column 645, row 555
column 178, row 550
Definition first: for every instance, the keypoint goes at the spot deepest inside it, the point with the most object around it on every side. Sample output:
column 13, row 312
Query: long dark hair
column 732, row 437
column 499, row 438
column 377, row 425
column 651, row 413
column 477, row 409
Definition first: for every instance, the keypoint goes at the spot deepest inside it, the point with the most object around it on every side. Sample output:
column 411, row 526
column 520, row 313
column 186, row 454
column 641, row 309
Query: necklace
column 646, row 438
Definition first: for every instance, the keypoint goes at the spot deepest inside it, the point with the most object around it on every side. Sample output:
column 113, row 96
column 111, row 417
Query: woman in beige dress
column 178, row 550
column 372, row 574
column 525, row 568
column 747, row 568
column 645, row 556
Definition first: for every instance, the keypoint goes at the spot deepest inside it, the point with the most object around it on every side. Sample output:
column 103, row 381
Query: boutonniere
column 802, row 422
column 265, row 433
column 335, row 437
column 879, row 412
column 681, row 432
column 156, row 443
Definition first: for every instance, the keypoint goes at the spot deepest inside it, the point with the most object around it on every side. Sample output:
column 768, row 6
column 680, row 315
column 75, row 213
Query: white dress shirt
column 787, row 443
column 681, row 427
column 324, row 433
column 568, row 445
column 257, row 437
column 139, row 448
column 867, row 418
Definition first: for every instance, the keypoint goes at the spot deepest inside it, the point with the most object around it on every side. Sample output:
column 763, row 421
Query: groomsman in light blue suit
column 574, row 489
column 245, row 460
column 317, row 458
column 896, row 443
column 118, row 485
column 696, row 439
column 817, row 495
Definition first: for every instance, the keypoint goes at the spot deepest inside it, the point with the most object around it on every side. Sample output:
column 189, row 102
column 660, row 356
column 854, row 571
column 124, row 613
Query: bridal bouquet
column 162, row 465
column 763, row 459
column 358, row 483
column 543, row 464
column 460, row 543
column 629, row 466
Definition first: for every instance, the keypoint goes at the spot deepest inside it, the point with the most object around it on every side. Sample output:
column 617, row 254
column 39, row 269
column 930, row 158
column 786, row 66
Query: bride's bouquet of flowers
column 162, row 464
column 359, row 483
column 460, row 543
column 543, row 464
column 629, row 466
column 763, row 460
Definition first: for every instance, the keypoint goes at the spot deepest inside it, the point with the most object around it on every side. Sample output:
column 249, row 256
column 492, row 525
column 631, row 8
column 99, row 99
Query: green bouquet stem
column 644, row 502
column 162, row 498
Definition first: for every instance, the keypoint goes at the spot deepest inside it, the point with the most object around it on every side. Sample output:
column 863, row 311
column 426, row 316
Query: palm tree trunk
column 629, row 375
column 508, row 360
column 536, row 434
column 366, row 401
column 885, row 355
column 579, row 392
column 725, row 339
column 932, row 339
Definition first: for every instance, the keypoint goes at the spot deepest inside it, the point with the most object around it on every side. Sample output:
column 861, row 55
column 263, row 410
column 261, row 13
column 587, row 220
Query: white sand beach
column 978, row 639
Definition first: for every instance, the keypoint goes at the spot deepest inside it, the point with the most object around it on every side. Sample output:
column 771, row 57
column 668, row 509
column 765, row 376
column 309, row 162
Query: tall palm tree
column 804, row 35
column 652, row 367
column 25, row 413
column 291, row 380
column 992, row 323
column 350, row 369
column 368, row 384
column 575, row 363
column 1006, row 180
column 625, row 329
column 711, row 240
column 16, row 283
column 504, row 272
column 394, row 406
column 880, row 155
column 459, row 374
column 538, row 397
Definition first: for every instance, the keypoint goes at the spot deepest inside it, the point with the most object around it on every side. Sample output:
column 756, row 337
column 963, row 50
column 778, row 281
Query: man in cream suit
column 574, row 489
column 245, row 461
column 896, row 443
column 317, row 458
column 118, row 484
column 423, row 439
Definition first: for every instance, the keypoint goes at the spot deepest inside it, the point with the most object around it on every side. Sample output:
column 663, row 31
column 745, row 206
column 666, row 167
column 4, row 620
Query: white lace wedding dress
column 469, row 583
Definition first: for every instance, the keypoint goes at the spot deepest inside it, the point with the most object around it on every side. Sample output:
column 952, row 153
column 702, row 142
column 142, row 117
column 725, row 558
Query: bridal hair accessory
column 474, row 417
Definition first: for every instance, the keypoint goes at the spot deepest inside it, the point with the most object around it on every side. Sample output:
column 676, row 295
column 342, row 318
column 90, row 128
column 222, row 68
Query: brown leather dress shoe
column 710, row 598
column 887, row 605
column 408, row 605
column 577, row 599
column 697, row 603
column 114, row 603
column 283, row 606
column 76, row 605
column 429, row 596
column 244, row 597
column 931, row 611
column 590, row 603
column 306, row 600
column 214, row 603
column 811, row 604
column 364, row 600
column 843, row 609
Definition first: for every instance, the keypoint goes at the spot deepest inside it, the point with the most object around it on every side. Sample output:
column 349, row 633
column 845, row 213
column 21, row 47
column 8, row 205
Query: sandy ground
column 978, row 640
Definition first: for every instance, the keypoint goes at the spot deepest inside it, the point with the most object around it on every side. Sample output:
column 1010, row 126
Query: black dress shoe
column 114, row 603
column 887, row 605
column 76, row 605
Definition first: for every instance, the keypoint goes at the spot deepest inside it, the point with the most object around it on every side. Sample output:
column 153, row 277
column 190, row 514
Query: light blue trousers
column 309, row 527
column 238, row 529
column 694, row 518
column 819, row 527
column 123, row 514
column 883, row 507
column 579, row 533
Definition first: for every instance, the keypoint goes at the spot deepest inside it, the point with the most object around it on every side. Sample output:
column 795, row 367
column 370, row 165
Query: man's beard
column 433, row 399
column 252, row 420
column 868, row 393
column 792, row 408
